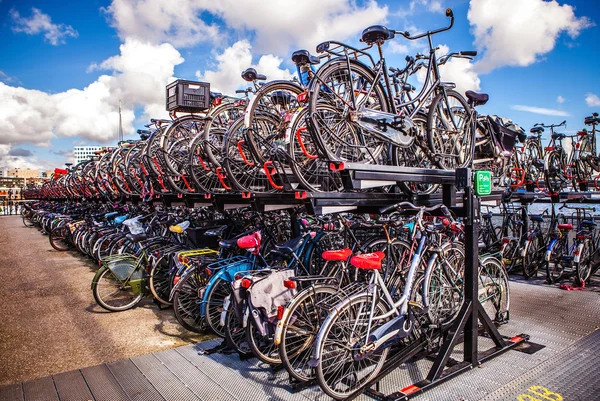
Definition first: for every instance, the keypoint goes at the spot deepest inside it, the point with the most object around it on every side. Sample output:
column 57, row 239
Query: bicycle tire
column 107, row 275
column 214, row 305
column 161, row 280
column 297, row 338
column 339, row 138
column 262, row 346
column 186, row 304
column 344, row 359
column 59, row 238
column 443, row 138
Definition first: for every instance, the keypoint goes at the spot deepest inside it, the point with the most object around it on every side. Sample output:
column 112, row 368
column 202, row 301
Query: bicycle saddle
column 179, row 228
column 304, row 57
column 250, row 75
column 144, row 132
column 588, row 224
column 477, row 99
column 214, row 95
column 537, row 130
column 593, row 119
column 119, row 220
column 281, row 98
column 368, row 261
column 558, row 136
column 536, row 218
column 215, row 232
column 289, row 247
column 565, row 227
column 111, row 215
column 376, row 33
column 340, row 254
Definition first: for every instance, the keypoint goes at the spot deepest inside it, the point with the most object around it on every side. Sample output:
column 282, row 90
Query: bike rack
column 465, row 329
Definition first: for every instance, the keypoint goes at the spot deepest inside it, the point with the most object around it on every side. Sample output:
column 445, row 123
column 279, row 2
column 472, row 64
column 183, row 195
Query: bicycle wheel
column 183, row 131
column 202, row 171
column 186, row 303
column 340, row 371
column 554, row 172
column 27, row 220
column 243, row 167
column 445, row 292
column 300, row 327
column 311, row 171
column 416, row 155
column 160, row 280
column 263, row 347
column 449, row 130
column 111, row 294
column 583, row 268
column 59, row 238
column 494, row 294
column 533, row 256
column 214, row 305
column 554, row 264
column 347, row 91
column 235, row 334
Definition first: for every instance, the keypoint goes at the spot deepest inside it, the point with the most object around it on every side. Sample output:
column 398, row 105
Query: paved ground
column 49, row 322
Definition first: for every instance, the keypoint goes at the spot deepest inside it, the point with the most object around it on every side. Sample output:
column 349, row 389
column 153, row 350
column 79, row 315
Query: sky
column 64, row 67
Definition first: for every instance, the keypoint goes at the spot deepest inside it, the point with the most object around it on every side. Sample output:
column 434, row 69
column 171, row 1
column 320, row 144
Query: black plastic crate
column 188, row 96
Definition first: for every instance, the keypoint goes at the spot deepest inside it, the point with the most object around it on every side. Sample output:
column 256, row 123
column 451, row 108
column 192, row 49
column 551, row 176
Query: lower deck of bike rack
column 564, row 322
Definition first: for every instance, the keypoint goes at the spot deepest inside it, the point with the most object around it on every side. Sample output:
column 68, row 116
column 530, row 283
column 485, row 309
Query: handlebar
column 410, row 206
column 408, row 36
column 565, row 206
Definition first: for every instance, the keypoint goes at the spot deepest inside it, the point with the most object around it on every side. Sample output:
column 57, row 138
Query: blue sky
column 63, row 68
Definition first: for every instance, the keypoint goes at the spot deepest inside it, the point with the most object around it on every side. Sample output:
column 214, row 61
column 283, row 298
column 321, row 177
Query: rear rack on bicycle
column 235, row 260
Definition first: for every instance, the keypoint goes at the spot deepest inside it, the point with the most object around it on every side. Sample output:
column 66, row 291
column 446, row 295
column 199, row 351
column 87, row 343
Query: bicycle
column 366, row 119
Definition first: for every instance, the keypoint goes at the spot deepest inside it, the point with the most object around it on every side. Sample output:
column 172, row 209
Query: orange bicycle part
column 267, row 168
column 301, row 142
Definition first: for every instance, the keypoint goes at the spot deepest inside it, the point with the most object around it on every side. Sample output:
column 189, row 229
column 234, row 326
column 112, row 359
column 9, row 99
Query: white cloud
column 39, row 22
column 226, row 77
column 276, row 25
column 157, row 21
column 429, row 5
column 31, row 116
column 560, row 99
column 457, row 70
column 519, row 32
column 8, row 159
column 398, row 48
column 540, row 110
column 592, row 100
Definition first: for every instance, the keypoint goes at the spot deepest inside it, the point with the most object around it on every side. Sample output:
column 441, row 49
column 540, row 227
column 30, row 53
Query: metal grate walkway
column 560, row 320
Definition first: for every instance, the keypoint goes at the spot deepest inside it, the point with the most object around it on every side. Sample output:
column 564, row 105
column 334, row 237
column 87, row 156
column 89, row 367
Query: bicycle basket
column 506, row 132
column 196, row 237
column 124, row 269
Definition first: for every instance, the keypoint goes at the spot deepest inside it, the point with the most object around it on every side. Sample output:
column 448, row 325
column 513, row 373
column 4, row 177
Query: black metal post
column 471, row 273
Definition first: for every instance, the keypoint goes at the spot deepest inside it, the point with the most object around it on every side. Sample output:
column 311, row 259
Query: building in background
column 23, row 173
column 82, row 153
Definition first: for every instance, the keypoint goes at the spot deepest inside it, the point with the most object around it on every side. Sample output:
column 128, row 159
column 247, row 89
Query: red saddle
column 368, row 261
column 340, row 254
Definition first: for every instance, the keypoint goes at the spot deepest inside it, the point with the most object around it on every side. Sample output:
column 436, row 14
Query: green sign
column 483, row 183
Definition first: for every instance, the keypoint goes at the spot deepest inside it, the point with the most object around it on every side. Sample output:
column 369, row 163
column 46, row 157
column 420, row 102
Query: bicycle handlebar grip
column 240, row 91
column 469, row 53
column 449, row 13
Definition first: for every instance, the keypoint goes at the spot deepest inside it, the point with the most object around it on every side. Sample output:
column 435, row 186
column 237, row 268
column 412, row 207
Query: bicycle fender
column 526, row 247
column 181, row 280
column 226, row 304
column 549, row 249
column 577, row 254
column 97, row 276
